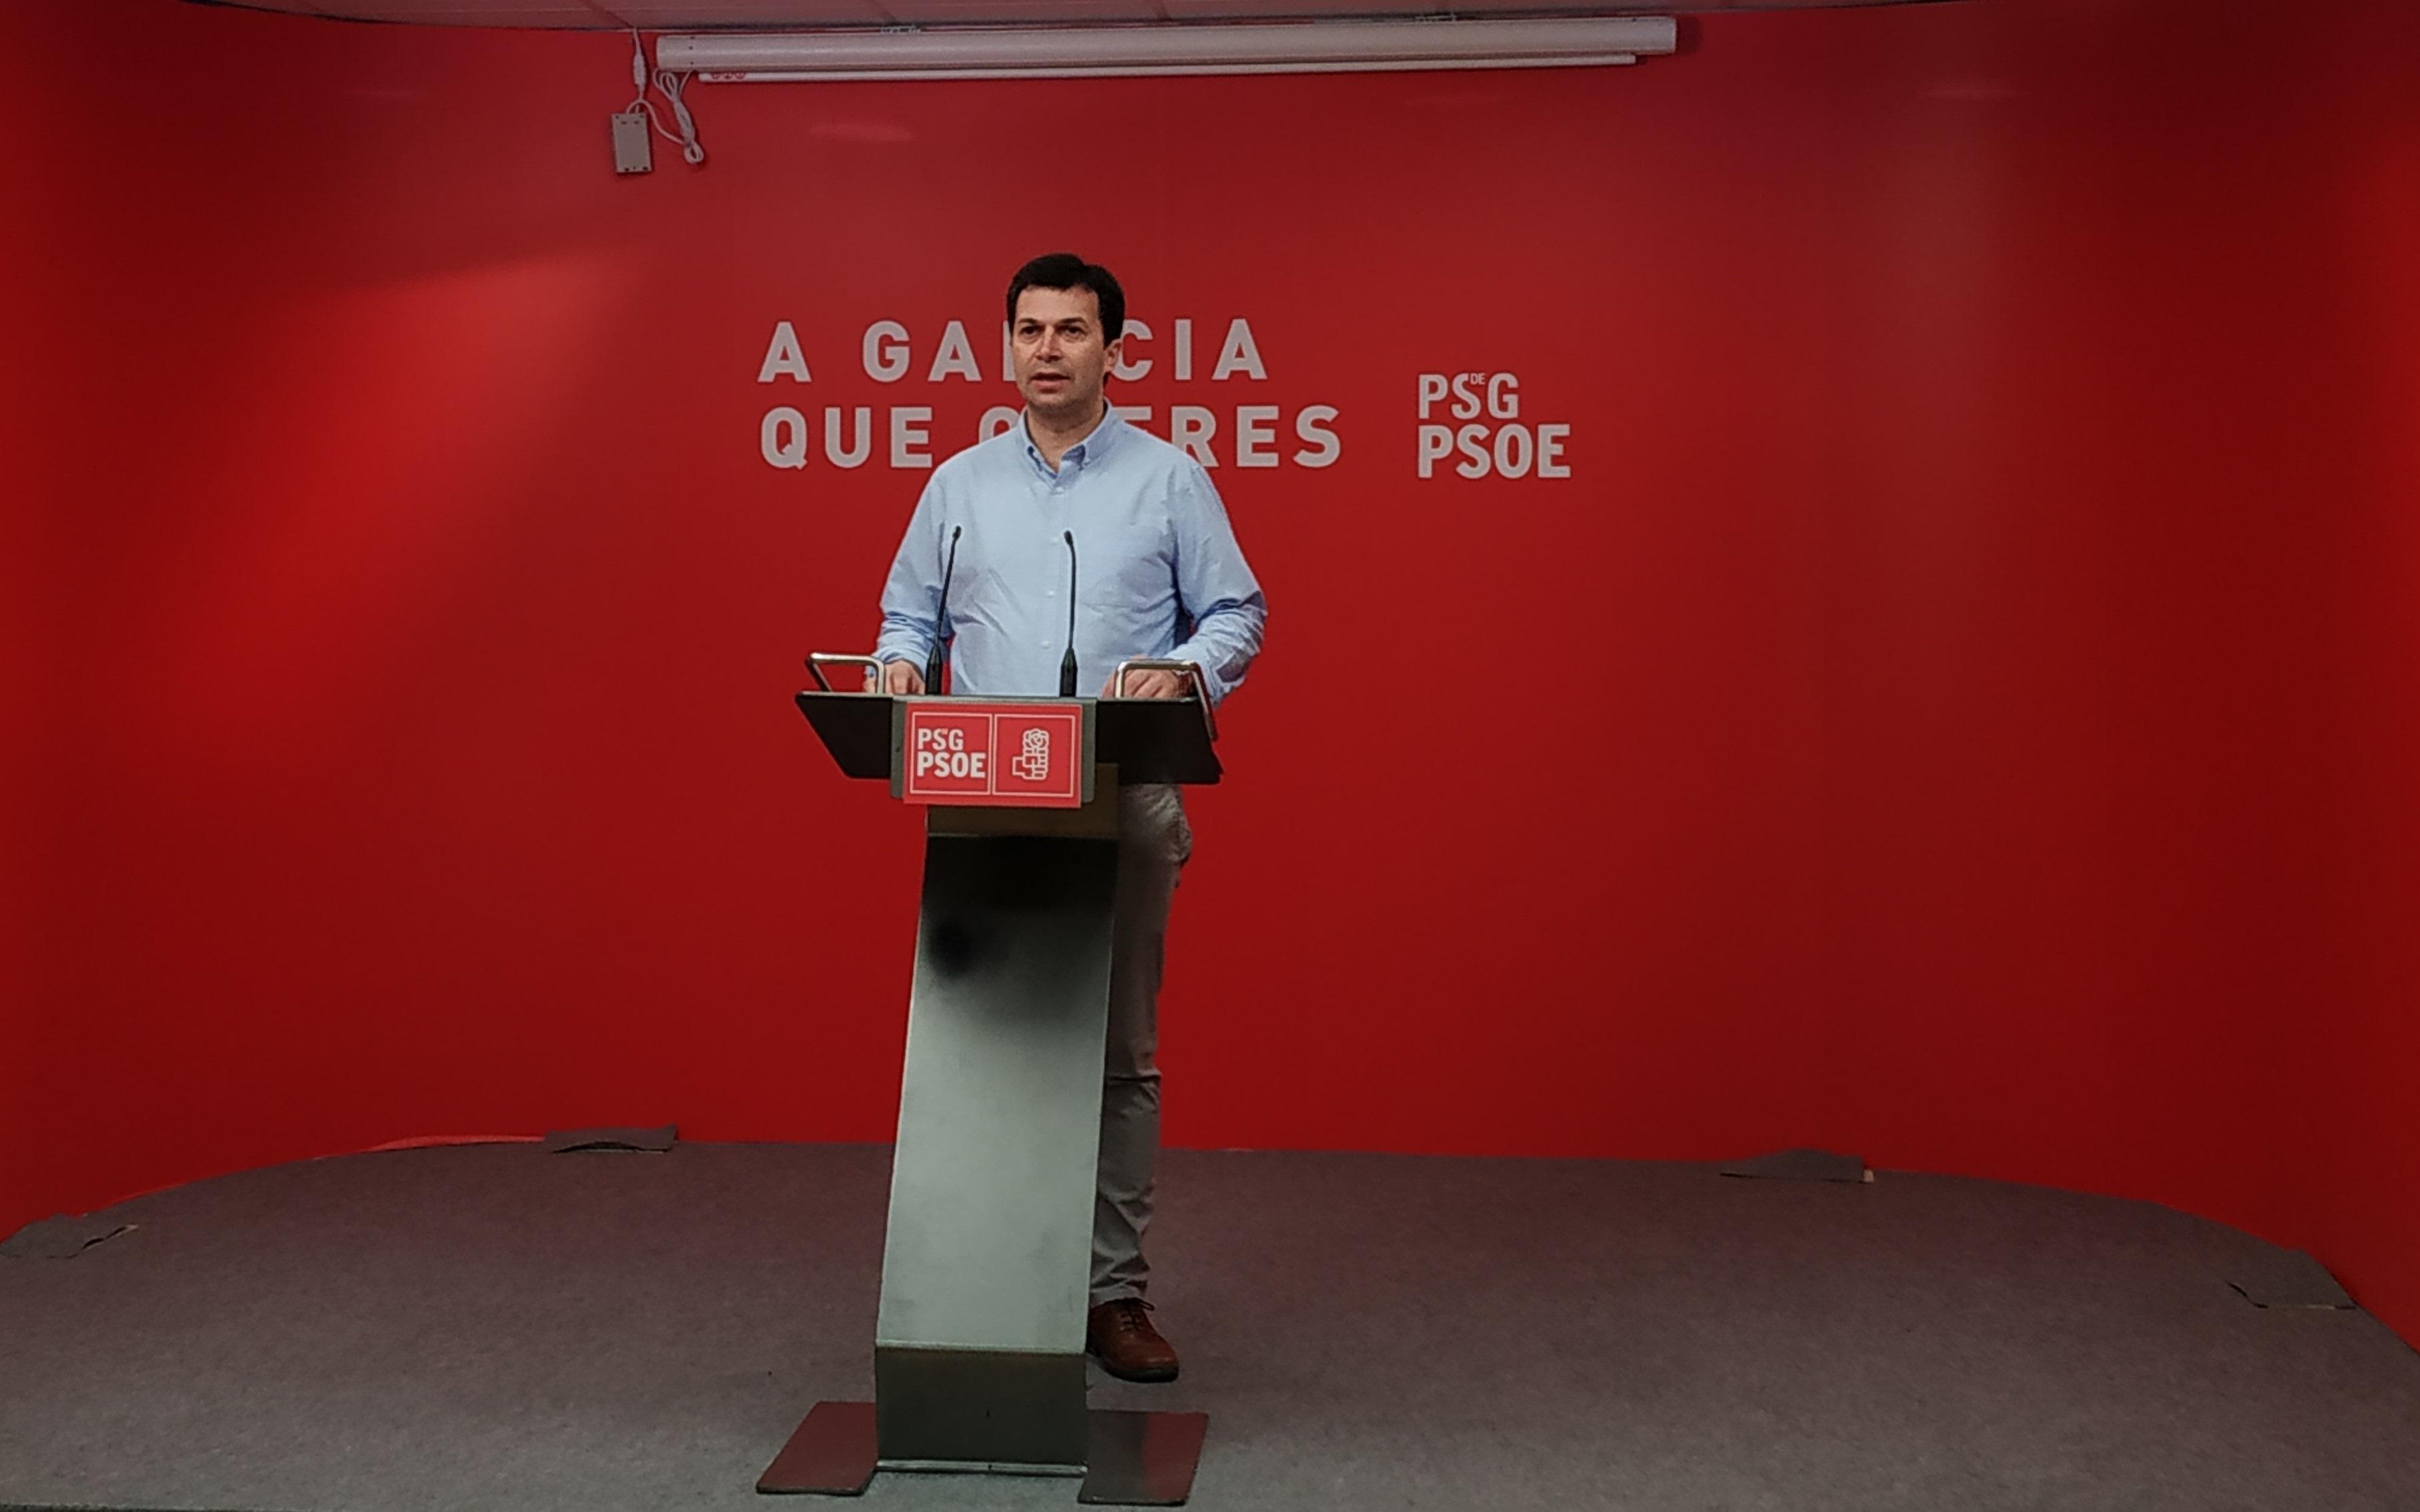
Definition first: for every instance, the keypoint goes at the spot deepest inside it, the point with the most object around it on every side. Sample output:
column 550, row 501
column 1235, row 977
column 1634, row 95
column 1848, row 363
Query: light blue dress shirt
column 1159, row 570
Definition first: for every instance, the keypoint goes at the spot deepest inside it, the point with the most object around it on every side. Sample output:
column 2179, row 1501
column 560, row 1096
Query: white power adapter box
column 633, row 151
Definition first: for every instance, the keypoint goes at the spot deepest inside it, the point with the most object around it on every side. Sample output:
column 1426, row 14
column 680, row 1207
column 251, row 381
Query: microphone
column 1067, row 662
column 932, row 660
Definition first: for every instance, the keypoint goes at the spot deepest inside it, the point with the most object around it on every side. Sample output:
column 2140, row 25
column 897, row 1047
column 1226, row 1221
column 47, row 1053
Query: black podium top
column 1148, row 740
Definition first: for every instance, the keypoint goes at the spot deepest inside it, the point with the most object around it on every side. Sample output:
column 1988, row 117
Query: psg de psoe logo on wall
column 1474, row 421
column 994, row 754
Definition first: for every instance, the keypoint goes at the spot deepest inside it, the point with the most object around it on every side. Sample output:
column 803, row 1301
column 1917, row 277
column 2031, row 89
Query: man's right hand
column 898, row 679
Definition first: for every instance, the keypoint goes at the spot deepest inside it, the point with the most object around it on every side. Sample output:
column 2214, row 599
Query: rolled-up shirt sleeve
column 1214, row 585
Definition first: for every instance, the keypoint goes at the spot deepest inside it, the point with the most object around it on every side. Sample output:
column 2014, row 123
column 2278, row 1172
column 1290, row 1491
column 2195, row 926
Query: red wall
column 1961, row 708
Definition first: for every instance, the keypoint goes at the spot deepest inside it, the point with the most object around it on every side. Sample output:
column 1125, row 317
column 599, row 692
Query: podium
column 986, row 1262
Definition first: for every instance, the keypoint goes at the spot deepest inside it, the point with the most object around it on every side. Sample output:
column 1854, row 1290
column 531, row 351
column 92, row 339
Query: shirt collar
column 1095, row 444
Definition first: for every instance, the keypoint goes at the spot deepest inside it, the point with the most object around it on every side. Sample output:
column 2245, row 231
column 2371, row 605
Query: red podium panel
column 1003, row 755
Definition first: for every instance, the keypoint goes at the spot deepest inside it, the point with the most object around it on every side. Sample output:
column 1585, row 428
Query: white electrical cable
column 672, row 84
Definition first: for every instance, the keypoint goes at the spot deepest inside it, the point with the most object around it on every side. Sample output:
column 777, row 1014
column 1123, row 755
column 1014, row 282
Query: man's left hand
column 1147, row 684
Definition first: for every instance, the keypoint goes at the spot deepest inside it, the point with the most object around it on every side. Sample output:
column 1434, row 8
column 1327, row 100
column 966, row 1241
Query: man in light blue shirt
column 1158, row 574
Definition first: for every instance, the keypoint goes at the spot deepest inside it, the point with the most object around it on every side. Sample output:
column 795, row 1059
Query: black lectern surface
column 1147, row 740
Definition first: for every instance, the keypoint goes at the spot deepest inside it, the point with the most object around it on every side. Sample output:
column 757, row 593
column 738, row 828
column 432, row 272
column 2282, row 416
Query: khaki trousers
column 1152, row 843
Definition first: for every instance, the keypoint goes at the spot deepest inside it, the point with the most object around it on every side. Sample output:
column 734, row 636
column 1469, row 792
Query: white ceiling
column 701, row 15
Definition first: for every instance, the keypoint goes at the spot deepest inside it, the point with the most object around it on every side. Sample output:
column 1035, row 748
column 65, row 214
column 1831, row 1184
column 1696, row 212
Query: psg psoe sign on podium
column 1003, row 755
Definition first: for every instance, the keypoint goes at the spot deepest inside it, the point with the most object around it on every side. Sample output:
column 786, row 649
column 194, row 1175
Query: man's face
column 1059, row 357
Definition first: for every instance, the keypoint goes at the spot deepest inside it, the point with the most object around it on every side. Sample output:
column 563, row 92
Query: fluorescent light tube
column 1080, row 52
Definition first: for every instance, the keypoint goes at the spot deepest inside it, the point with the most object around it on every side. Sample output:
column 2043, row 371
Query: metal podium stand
column 979, row 1345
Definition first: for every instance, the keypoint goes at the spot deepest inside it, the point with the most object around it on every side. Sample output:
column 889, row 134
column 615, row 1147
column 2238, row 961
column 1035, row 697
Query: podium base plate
column 1141, row 1458
column 1134, row 1458
column 831, row 1454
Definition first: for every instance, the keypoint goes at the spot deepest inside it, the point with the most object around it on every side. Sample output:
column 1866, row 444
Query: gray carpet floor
column 500, row 1328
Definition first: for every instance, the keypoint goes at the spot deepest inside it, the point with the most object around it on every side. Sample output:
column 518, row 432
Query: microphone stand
column 1067, row 662
column 940, row 619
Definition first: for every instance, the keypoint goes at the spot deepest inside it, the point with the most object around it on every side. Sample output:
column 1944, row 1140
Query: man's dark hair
column 1065, row 270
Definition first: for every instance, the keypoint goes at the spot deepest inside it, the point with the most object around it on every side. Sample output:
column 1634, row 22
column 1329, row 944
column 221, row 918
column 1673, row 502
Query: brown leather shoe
column 1120, row 1336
